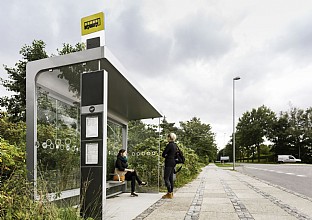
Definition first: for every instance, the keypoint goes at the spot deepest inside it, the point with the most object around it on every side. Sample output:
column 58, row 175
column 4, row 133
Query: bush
column 148, row 165
column 12, row 160
column 190, row 169
column 14, row 133
column 16, row 195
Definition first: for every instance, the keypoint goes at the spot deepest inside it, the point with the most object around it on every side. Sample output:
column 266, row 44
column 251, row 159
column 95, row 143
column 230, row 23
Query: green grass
column 224, row 164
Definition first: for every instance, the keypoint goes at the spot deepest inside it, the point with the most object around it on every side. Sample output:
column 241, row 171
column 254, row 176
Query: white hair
column 172, row 136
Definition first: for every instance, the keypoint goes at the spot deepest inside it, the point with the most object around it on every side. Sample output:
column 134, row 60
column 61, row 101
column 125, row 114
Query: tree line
column 262, row 134
column 289, row 132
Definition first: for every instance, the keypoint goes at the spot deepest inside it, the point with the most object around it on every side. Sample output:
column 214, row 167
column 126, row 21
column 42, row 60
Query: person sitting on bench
column 121, row 169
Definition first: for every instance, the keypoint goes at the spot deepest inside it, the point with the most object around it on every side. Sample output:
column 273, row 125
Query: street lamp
column 234, row 79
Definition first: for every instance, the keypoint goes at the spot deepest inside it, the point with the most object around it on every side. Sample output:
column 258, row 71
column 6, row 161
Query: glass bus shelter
column 54, row 115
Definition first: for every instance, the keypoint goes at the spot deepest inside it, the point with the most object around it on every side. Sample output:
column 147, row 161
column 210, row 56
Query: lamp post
column 223, row 144
column 234, row 79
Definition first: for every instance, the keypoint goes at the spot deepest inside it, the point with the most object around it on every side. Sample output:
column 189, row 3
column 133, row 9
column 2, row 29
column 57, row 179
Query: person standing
column 121, row 168
column 169, row 155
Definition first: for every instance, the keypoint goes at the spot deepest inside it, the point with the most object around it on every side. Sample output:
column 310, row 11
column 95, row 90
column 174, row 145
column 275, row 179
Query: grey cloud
column 296, row 40
column 139, row 49
column 201, row 37
column 197, row 37
column 55, row 22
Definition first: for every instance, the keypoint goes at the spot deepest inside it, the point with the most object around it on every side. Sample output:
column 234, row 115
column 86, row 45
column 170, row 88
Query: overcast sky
column 184, row 54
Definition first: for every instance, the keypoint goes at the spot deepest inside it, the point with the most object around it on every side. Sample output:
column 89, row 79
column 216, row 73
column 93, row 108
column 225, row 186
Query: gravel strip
column 239, row 207
column 194, row 210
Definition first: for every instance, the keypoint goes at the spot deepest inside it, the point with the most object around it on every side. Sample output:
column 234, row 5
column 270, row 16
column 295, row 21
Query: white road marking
column 301, row 175
column 280, row 172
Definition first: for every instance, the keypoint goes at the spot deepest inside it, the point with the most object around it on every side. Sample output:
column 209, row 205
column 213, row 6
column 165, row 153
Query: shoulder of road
column 215, row 194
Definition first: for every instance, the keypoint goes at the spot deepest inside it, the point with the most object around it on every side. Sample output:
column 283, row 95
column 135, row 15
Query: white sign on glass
column 92, row 126
column 92, row 153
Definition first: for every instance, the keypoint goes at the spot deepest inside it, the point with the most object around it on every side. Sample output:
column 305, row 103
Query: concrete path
column 124, row 207
column 222, row 194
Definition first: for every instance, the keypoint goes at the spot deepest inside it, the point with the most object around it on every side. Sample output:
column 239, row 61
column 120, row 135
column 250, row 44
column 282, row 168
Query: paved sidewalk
column 224, row 194
column 124, row 207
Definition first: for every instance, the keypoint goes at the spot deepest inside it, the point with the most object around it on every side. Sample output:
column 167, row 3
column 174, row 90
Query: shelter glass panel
column 143, row 152
column 114, row 144
column 58, row 143
column 58, row 128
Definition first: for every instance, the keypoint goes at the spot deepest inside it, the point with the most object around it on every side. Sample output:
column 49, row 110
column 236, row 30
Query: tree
column 307, row 140
column 200, row 138
column 167, row 128
column 254, row 126
column 292, row 134
column 16, row 82
column 16, row 104
column 67, row 48
column 138, row 132
column 280, row 135
column 143, row 151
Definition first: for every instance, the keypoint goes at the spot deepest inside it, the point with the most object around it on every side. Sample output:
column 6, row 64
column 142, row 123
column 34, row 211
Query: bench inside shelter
column 115, row 187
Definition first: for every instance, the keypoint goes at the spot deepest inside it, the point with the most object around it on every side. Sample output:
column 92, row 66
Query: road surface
column 295, row 177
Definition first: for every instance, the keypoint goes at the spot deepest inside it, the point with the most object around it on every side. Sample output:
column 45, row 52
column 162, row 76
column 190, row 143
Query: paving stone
column 219, row 194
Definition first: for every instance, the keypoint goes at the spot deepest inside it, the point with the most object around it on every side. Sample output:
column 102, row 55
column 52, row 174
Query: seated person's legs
column 132, row 176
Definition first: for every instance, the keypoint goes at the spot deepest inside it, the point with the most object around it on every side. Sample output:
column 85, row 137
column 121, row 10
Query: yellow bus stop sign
column 92, row 23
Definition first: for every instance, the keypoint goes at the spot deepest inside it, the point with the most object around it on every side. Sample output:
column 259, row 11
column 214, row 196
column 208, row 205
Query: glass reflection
column 58, row 127
column 114, row 144
column 58, row 143
column 144, row 159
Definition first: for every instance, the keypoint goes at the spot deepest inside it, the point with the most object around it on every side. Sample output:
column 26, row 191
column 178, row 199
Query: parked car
column 287, row 159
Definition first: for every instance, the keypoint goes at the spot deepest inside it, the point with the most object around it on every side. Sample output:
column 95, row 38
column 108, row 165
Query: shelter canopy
column 124, row 97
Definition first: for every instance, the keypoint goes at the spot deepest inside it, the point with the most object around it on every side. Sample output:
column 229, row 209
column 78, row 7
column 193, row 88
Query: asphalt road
column 295, row 177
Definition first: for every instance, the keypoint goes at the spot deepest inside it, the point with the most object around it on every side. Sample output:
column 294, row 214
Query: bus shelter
column 78, row 108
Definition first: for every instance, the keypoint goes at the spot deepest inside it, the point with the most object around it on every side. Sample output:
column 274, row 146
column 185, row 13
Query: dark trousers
column 168, row 177
column 132, row 176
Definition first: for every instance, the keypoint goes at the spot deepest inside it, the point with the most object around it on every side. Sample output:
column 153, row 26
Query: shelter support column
column 93, row 143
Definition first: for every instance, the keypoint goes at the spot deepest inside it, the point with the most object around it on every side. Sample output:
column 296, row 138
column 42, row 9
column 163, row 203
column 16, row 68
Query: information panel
column 92, row 153
column 92, row 126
